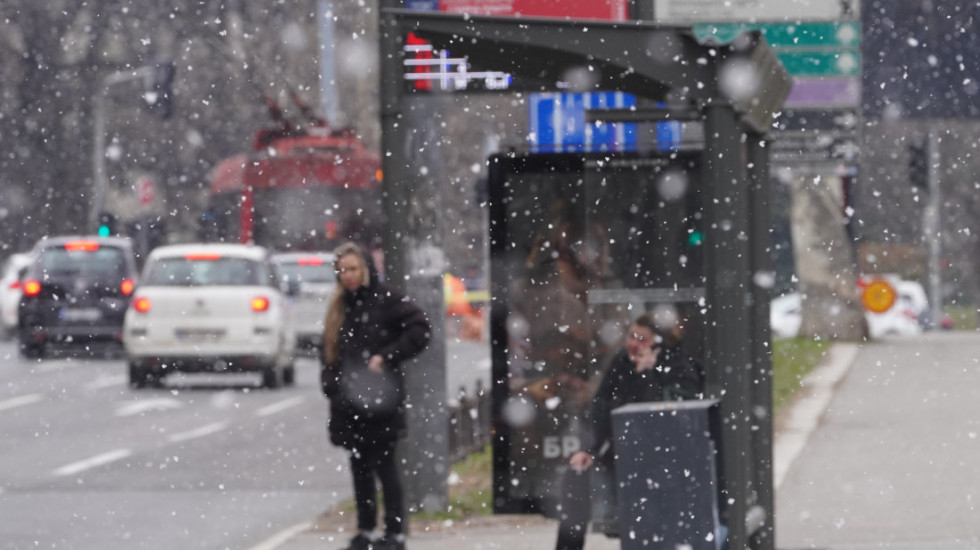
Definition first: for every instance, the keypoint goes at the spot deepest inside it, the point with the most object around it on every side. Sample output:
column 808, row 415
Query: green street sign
column 825, row 34
column 825, row 48
column 842, row 63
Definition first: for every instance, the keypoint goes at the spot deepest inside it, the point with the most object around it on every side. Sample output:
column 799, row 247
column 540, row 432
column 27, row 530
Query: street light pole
column 100, row 185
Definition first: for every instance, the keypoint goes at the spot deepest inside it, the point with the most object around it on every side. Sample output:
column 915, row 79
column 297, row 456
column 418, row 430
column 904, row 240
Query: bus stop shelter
column 733, row 91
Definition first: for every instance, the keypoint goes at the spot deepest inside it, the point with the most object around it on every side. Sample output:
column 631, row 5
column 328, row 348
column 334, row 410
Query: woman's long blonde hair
column 335, row 312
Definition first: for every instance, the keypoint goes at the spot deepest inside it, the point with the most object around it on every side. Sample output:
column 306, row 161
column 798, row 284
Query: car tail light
column 141, row 304
column 32, row 287
column 203, row 256
column 310, row 260
column 127, row 287
column 81, row 246
column 260, row 303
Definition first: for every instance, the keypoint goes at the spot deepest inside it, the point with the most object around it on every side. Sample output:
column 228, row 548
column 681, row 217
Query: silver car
column 313, row 281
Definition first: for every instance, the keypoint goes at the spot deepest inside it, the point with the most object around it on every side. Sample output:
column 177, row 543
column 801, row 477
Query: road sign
column 818, row 34
column 821, row 63
column 823, row 57
column 557, row 122
column 878, row 296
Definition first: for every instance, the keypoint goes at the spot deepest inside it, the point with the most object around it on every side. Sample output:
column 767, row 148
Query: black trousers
column 576, row 510
column 578, row 493
column 370, row 463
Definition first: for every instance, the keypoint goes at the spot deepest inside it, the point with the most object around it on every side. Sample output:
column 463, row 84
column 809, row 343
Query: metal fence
column 469, row 423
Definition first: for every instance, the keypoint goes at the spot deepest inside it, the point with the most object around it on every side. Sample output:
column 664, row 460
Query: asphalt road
column 208, row 463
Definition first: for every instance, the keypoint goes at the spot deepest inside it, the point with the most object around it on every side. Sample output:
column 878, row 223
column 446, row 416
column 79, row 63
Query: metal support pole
column 413, row 260
column 99, row 183
column 762, row 530
column 728, row 350
column 932, row 230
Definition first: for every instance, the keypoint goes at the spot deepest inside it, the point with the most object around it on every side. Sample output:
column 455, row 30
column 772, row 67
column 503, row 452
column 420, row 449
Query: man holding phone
column 651, row 366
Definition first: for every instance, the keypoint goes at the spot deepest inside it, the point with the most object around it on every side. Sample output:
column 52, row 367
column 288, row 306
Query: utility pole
column 328, row 73
column 931, row 227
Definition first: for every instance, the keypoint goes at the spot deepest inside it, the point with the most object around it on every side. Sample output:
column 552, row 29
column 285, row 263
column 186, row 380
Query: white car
column 209, row 308
column 11, row 274
column 312, row 278
column 786, row 315
column 912, row 293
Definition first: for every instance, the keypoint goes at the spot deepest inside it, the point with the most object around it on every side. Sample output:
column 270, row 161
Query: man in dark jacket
column 651, row 366
column 370, row 330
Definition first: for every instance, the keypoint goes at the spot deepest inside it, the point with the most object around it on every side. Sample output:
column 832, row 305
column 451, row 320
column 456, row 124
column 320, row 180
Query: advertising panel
column 699, row 11
column 612, row 10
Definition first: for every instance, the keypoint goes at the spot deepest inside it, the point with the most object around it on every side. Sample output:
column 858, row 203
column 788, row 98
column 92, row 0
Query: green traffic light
column 104, row 231
column 695, row 237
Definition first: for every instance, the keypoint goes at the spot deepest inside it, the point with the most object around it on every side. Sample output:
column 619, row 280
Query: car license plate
column 198, row 334
column 87, row 314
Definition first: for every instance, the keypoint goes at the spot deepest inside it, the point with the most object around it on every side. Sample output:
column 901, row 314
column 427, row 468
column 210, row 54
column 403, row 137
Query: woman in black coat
column 370, row 330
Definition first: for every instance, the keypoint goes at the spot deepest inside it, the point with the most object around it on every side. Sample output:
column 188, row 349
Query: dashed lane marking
column 19, row 401
column 95, row 461
column 197, row 432
column 130, row 408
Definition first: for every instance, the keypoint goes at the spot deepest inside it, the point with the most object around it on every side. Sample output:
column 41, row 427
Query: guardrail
column 469, row 422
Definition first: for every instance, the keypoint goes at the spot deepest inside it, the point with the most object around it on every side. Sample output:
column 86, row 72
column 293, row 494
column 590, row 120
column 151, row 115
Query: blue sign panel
column 422, row 5
column 557, row 123
column 668, row 135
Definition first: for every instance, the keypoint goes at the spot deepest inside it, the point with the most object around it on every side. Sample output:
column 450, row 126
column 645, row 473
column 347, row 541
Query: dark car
column 76, row 292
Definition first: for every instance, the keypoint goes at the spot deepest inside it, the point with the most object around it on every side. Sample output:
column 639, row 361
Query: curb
column 804, row 414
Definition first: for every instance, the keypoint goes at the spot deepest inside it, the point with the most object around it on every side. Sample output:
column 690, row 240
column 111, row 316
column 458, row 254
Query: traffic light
column 107, row 224
column 918, row 164
column 159, row 91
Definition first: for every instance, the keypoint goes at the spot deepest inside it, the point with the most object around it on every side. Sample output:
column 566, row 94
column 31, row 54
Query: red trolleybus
column 299, row 189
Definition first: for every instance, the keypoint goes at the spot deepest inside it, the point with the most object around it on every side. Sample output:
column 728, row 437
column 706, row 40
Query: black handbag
column 377, row 395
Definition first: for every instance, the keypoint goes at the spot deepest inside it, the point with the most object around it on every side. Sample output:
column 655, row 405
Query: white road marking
column 197, row 432
column 105, row 382
column 19, row 401
column 97, row 460
column 279, row 407
column 136, row 407
column 280, row 538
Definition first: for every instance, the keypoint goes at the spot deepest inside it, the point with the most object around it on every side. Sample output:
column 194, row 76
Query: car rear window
column 104, row 263
column 204, row 272
column 308, row 272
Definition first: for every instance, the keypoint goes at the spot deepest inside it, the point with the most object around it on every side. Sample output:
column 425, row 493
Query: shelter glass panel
column 581, row 245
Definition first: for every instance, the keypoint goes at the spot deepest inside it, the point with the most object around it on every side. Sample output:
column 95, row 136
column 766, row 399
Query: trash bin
column 667, row 476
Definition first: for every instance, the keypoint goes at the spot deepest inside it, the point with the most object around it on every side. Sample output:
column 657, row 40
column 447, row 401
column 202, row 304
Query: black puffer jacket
column 378, row 320
column 676, row 376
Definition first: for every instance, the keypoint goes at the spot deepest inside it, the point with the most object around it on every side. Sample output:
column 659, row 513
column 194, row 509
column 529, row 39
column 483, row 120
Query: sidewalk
column 894, row 462
column 536, row 532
